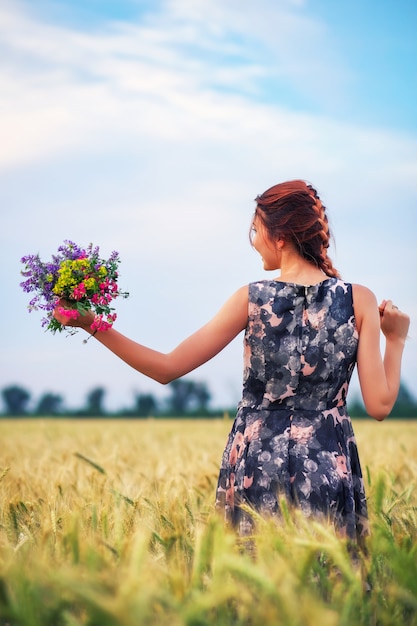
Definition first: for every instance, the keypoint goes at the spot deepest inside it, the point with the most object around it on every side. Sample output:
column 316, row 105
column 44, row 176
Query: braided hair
column 294, row 212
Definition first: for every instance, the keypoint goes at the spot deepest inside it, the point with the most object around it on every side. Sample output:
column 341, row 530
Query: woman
column 304, row 333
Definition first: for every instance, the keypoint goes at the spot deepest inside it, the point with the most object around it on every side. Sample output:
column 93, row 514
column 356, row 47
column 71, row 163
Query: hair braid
column 293, row 211
column 323, row 261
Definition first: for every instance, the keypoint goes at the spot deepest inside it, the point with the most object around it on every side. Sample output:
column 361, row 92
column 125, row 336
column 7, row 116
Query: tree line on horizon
column 187, row 398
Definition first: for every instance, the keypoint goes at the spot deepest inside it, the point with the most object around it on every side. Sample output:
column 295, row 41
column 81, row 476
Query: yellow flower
column 66, row 279
column 90, row 284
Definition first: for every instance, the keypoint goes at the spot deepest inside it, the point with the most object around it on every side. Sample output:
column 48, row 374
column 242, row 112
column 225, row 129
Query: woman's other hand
column 394, row 323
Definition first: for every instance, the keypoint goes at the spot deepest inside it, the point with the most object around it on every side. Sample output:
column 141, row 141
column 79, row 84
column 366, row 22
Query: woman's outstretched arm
column 379, row 377
column 198, row 348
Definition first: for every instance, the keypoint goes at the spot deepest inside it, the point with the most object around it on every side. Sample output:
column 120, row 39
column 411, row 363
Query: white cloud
column 62, row 88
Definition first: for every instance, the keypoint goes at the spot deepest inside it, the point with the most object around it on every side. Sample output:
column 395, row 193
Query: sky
column 150, row 127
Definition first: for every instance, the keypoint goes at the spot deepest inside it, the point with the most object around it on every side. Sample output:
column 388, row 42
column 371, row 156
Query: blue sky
column 375, row 43
column 149, row 127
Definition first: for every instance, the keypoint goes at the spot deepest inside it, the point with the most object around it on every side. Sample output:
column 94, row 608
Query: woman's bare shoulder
column 365, row 305
column 362, row 294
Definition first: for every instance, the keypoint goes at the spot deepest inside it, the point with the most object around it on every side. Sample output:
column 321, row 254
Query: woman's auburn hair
column 293, row 211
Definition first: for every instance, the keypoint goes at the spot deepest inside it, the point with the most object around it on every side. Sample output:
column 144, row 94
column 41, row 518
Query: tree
column 16, row 400
column 145, row 405
column 49, row 404
column 95, row 402
column 202, row 397
column 188, row 396
column 405, row 405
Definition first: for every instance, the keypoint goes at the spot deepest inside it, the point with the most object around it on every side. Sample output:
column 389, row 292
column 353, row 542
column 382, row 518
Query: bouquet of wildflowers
column 78, row 276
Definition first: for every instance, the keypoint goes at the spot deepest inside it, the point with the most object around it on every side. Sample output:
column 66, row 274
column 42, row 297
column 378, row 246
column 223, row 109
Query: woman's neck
column 295, row 269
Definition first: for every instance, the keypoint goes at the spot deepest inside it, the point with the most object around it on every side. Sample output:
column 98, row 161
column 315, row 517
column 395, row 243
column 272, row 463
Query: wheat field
column 111, row 523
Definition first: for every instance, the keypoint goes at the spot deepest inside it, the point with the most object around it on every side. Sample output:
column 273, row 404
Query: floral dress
column 292, row 436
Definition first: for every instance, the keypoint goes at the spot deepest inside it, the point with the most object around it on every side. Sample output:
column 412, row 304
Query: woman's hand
column 394, row 323
column 66, row 315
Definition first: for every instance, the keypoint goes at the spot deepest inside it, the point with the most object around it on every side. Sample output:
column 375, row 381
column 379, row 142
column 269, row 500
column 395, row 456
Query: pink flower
column 72, row 314
column 79, row 291
column 102, row 324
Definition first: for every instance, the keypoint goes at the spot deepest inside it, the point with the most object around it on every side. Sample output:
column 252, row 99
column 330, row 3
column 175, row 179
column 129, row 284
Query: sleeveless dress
column 292, row 437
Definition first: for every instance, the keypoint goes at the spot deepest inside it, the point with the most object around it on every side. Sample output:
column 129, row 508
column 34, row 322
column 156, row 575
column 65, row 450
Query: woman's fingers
column 382, row 307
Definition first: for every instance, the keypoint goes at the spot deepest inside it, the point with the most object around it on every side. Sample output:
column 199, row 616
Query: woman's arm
column 200, row 347
column 379, row 377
